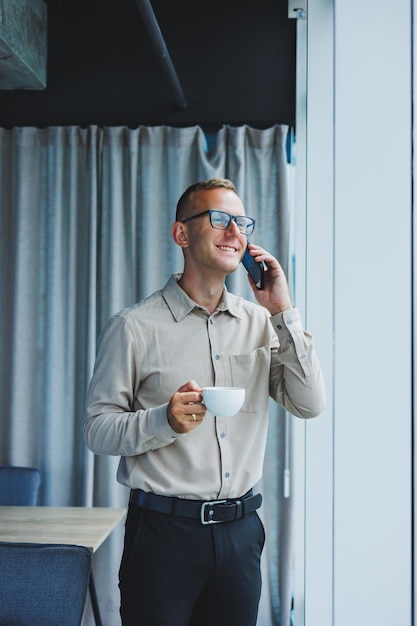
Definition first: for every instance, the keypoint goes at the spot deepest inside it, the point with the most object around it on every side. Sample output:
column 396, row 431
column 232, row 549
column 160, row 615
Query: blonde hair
column 185, row 206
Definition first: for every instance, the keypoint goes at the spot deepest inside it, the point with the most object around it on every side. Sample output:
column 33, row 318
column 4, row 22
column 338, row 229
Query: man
column 187, row 468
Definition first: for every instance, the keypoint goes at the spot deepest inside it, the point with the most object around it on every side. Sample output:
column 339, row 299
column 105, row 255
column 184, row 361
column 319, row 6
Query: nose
column 232, row 229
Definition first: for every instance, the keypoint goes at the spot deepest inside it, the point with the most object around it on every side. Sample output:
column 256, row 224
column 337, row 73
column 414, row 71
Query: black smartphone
column 255, row 269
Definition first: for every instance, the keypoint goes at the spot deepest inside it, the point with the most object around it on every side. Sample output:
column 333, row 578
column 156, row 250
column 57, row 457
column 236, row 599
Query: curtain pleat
column 85, row 231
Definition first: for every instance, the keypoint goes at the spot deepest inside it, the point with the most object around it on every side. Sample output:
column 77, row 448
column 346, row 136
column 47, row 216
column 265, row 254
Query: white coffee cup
column 223, row 401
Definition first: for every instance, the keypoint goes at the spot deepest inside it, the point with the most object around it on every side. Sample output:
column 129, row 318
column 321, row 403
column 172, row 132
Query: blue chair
column 43, row 584
column 19, row 486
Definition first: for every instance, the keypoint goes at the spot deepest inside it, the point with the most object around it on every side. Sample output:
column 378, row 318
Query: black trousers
column 178, row 572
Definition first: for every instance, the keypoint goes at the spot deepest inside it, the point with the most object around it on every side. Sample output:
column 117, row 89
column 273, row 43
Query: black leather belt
column 207, row 512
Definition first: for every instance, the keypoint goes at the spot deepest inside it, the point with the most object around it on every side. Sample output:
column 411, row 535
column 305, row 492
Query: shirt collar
column 181, row 304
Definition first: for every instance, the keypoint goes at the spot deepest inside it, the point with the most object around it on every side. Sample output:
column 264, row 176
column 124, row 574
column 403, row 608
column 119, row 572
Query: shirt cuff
column 287, row 322
column 160, row 424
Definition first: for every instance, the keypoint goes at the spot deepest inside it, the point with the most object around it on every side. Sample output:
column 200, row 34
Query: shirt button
column 222, row 435
column 211, row 321
column 227, row 475
column 217, row 357
column 279, row 326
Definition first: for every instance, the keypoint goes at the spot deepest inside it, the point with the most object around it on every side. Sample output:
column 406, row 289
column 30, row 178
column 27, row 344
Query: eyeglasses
column 222, row 220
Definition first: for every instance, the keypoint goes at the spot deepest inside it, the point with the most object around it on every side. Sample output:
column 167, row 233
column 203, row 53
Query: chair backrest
column 19, row 486
column 43, row 584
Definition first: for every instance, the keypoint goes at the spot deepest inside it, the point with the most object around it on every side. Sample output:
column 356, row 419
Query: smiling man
column 193, row 538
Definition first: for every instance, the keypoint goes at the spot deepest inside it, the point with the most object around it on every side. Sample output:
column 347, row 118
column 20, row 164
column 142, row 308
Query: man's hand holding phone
column 274, row 295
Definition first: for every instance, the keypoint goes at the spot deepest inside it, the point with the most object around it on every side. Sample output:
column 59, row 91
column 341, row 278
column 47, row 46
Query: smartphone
column 255, row 270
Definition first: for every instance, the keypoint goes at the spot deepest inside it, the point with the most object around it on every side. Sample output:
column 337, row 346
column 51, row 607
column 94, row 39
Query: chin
column 232, row 270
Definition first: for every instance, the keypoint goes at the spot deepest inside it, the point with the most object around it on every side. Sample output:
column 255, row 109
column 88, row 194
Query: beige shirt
column 148, row 351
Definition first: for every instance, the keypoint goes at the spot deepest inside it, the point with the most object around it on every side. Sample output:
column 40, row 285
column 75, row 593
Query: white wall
column 355, row 460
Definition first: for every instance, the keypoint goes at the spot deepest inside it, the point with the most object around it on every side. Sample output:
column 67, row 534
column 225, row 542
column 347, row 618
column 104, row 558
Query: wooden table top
column 82, row 526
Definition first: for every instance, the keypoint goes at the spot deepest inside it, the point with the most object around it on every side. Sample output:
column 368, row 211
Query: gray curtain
column 85, row 231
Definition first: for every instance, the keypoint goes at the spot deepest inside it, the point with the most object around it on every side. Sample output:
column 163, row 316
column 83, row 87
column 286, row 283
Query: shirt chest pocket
column 251, row 371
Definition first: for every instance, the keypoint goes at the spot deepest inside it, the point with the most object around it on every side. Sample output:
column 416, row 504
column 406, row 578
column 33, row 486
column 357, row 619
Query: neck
column 206, row 292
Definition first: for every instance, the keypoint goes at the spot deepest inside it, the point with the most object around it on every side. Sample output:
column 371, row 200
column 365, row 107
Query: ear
column 179, row 233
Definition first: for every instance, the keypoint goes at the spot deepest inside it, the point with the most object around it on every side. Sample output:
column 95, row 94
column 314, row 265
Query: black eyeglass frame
column 209, row 212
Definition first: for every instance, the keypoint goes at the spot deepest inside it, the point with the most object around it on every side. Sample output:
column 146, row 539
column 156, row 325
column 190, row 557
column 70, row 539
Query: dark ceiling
column 235, row 61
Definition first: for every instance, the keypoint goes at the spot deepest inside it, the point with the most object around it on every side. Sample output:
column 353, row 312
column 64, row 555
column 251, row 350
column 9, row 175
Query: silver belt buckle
column 203, row 510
